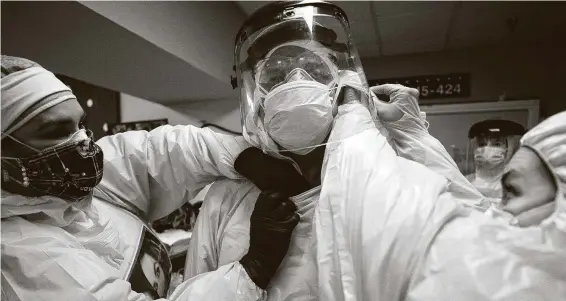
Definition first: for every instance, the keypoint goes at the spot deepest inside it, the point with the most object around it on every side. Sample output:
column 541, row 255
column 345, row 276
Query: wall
column 199, row 32
column 101, row 52
column 520, row 73
column 136, row 109
column 224, row 112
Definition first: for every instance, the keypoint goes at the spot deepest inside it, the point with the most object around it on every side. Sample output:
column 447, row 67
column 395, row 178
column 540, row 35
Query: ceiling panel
column 395, row 8
column 360, row 18
column 417, row 26
column 398, row 47
column 480, row 23
column 546, row 22
column 424, row 31
column 367, row 50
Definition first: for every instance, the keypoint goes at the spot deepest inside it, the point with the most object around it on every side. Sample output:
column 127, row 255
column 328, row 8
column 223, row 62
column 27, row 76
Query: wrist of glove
column 271, row 225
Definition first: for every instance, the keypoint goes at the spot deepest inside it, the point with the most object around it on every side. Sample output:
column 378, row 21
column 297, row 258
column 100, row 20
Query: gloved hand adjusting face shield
column 292, row 61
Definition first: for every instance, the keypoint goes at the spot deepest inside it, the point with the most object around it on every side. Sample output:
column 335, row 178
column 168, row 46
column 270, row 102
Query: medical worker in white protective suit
column 384, row 227
column 293, row 77
column 492, row 144
column 60, row 242
column 481, row 256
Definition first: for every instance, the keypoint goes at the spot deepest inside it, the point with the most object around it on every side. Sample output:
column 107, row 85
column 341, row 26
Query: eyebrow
column 56, row 123
column 50, row 125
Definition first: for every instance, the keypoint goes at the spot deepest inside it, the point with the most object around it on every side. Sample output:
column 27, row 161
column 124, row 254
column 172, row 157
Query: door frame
column 531, row 105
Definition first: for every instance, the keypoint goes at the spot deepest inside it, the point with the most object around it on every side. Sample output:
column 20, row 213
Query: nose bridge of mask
column 79, row 135
column 75, row 137
column 298, row 74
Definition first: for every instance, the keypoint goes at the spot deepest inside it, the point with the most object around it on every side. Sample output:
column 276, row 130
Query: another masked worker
column 492, row 144
column 70, row 233
column 294, row 70
column 472, row 256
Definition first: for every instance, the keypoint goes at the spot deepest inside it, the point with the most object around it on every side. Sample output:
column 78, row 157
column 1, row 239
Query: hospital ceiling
column 172, row 52
column 382, row 28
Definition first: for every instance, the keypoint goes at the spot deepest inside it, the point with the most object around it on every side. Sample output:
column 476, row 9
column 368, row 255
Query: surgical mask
column 298, row 114
column 69, row 170
column 489, row 156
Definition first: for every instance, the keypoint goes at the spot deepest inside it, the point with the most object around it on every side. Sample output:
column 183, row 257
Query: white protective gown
column 54, row 251
column 390, row 229
column 224, row 236
column 489, row 187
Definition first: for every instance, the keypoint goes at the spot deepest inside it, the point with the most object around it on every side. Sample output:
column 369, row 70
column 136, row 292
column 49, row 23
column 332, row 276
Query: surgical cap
column 27, row 90
column 548, row 140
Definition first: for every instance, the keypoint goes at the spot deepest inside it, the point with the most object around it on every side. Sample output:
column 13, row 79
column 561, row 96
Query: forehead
column 69, row 110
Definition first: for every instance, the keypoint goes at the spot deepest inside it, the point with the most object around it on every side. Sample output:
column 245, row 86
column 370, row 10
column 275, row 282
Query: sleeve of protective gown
column 228, row 283
column 154, row 173
column 492, row 262
column 221, row 233
column 408, row 132
column 203, row 253
column 36, row 268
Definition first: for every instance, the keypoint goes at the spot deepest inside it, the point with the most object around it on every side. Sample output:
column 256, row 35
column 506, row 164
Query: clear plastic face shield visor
column 292, row 62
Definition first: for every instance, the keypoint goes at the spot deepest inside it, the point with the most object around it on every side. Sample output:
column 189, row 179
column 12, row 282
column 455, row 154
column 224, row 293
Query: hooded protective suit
column 407, row 238
column 92, row 248
column 86, row 251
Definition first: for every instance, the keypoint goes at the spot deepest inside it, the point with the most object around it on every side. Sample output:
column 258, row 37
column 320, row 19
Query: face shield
column 491, row 145
column 292, row 61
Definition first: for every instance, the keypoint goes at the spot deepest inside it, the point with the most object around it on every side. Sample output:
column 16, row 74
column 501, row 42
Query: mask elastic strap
column 37, row 150
column 20, row 142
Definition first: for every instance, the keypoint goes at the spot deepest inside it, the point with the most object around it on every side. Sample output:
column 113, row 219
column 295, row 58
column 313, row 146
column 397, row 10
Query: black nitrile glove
column 271, row 225
column 270, row 174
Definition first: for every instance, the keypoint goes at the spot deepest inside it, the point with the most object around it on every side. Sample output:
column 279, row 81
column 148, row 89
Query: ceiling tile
column 546, row 23
column 363, row 33
column 395, row 8
column 412, row 46
column 480, row 23
column 355, row 10
column 367, row 50
column 424, row 25
column 360, row 18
